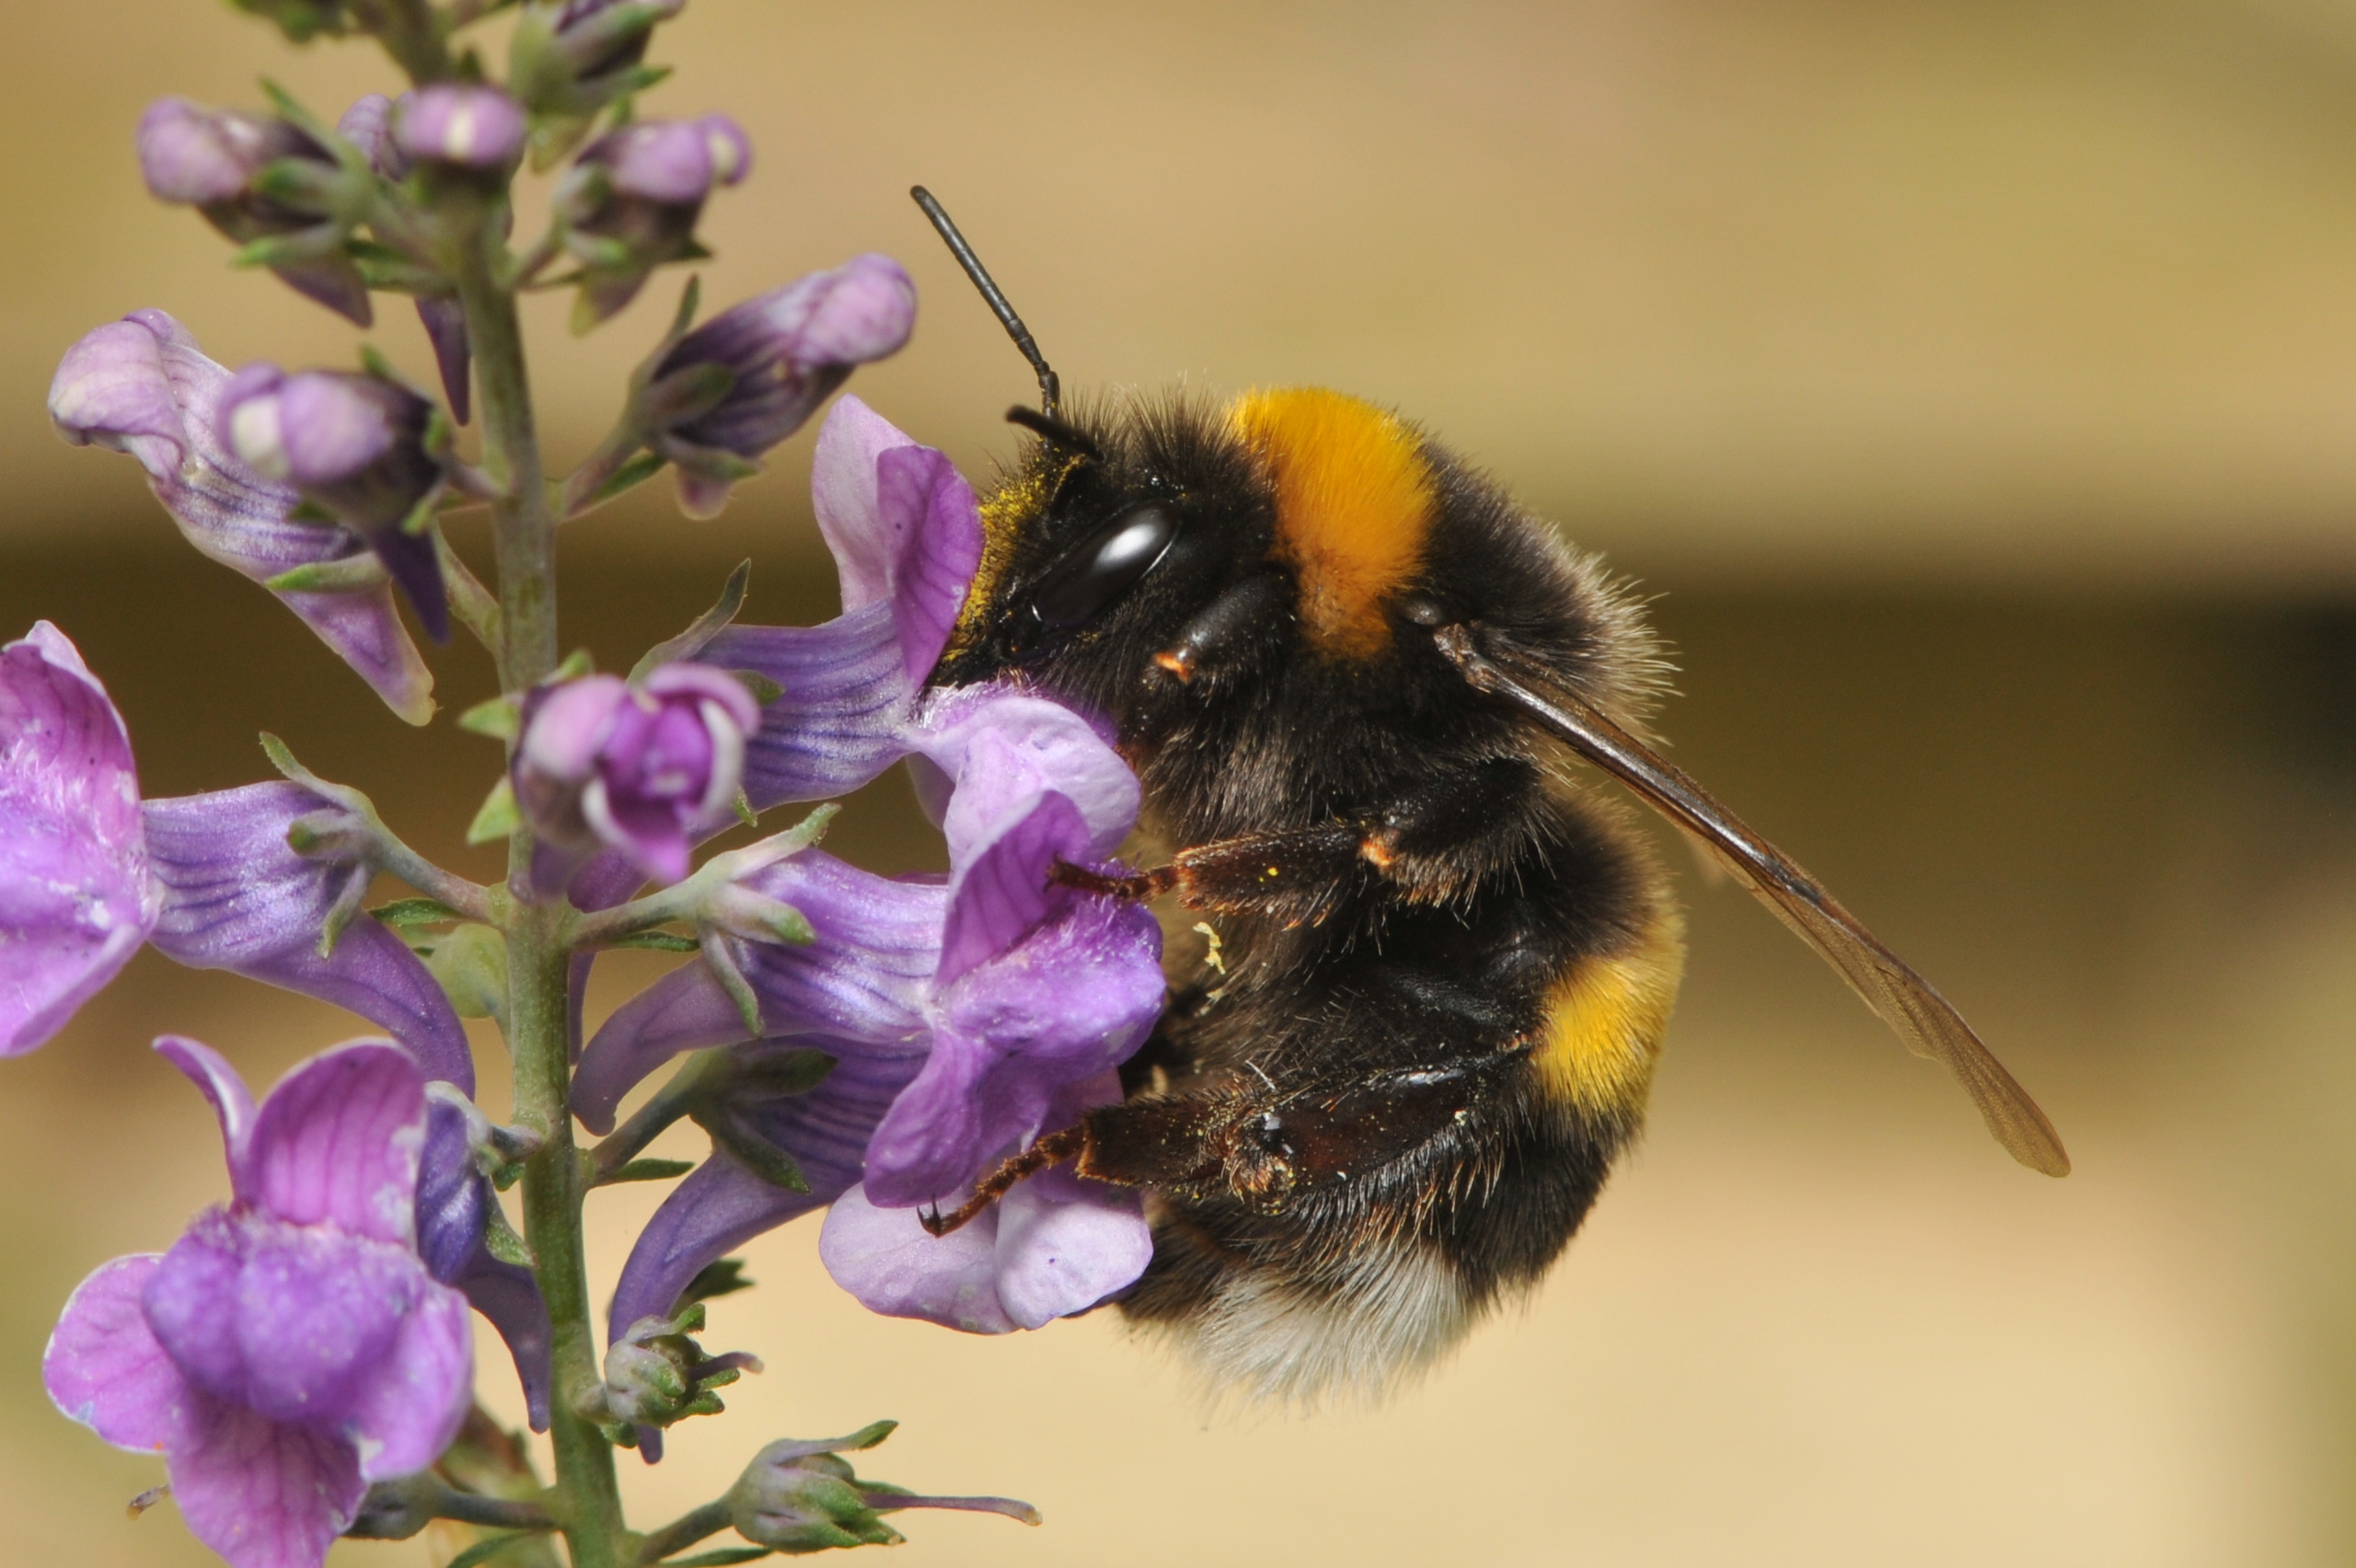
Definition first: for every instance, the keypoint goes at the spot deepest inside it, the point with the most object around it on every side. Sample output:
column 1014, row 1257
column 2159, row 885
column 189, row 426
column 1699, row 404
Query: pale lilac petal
column 191, row 1302
column 844, row 701
column 722, row 1205
column 1003, row 748
column 1066, row 1004
column 410, row 1410
column 322, row 1318
column 264, row 1493
column 1065, row 1244
column 863, row 981
column 570, row 724
column 338, row 1140
column 76, row 898
column 1007, row 889
column 142, row 387
column 844, row 486
column 104, row 1368
column 223, row 1088
column 465, row 124
column 887, row 1259
column 236, row 897
column 510, row 1298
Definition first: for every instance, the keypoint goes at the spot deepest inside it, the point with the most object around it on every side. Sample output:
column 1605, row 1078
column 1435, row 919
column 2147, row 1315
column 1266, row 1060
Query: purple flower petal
column 845, row 490
column 862, row 982
column 337, row 1140
column 1005, row 891
column 445, row 321
column 453, row 1199
column 844, row 705
column 409, row 1412
column 368, row 126
column 190, row 154
column 887, row 1259
column 141, row 386
column 1065, row 1244
column 221, row 1087
column 76, row 898
column 104, row 1368
column 1003, row 749
column 236, row 897
column 265, row 1493
column 722, row 1205
column 462, row 123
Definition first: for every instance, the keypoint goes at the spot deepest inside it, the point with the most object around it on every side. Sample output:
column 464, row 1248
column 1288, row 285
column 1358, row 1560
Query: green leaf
column 765, row 690
column 629, row 477
column 650, row 1170
column 722, row 1558
column 724, row 1277
column 751, row 1151
column 499, row 818
column 485, row 1549
column 352, row 574
column 706, row 626
column 499, row 1238
column 576, row 665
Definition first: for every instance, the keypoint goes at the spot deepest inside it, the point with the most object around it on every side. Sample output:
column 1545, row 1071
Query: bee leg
column 1429, row 845
column 1043, row 1154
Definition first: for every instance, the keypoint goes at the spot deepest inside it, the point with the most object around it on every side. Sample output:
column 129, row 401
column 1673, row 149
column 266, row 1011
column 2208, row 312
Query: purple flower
column 571, row 59
column 460, row 125
column 76, row 898
column 291, row 1347
column 965, row 1020
column 454, row 1208
column 786, row 352
column 141, row 386
column 216, row 160
column 87, row 872
column 647, row 769
column 631, row 199
column 359, row 446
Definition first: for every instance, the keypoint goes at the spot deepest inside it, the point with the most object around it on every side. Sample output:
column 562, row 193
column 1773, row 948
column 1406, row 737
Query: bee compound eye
column 1103, row 566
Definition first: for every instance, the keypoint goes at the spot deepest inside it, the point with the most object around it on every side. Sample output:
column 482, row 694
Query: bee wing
column 1899, row 996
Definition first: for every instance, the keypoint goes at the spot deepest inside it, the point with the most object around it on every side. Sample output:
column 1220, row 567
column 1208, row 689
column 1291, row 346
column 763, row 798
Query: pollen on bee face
column 1354, row 499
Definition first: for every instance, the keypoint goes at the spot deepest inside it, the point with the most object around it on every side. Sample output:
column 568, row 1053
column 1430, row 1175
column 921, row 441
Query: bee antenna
column 1055, row 433
column 1050, row 389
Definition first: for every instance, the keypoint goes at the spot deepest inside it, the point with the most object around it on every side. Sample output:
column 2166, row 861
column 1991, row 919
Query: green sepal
column 499, row 817
column 650, row 1170
column 499, row 1238
column 742, row 806
column 751, row 1151
column 359, row 573
column 309, row 511
column 658, row 941
column 284, row 249
column 626, row 477
column 501, row 717
column 787, row 1073
column 577, row 664
column 471, row 966
column 722, row 1277
column 705, row 627
column 485, row 1549
column 765, row 690
column 726, row 1557
column 717, row 958
column 405, row 913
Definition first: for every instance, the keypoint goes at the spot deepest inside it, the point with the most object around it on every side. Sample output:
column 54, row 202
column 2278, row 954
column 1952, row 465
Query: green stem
column 587, row 1502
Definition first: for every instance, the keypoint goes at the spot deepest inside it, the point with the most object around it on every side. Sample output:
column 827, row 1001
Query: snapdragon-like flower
column 965, row 1020
column 803, row 1496
column 259, row 179
column 783, row 353
column 87, row 872
column 363, row 449
column 292, row 1346
column 460, row 125
column 630, row 202
column 142, row 387
column 646, row 768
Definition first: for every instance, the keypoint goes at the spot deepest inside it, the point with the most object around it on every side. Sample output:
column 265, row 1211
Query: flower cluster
column 869, row 1046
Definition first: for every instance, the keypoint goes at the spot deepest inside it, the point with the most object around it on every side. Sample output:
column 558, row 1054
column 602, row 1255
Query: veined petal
column 236, row 897
column 924, row 500
column 862, row 982
column 722, row 1205
column 142, row 387
column 844, row 698
column 221, row 1087
column 843, row 492
column 453, row 1199
column 105, row 1369
column 266, row 1493
column 76, row 898
column 337, row 1140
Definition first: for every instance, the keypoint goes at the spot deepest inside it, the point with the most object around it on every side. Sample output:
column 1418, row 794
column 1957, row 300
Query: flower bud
column 644, row 768
column 785, row 352
column 568, row 60
column 631, row 200
column 657, row 1375
column 359, row 446
column 459, row 125
column 799, row 1497
column 219, row 161
column 300, row 20
column 368, row 126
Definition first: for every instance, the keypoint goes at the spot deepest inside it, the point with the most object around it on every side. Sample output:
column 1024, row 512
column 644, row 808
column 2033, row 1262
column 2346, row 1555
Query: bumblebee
column 1358, row 682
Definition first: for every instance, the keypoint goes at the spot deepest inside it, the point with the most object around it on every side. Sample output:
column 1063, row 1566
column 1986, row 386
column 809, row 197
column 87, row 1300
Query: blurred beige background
column 1976, row 383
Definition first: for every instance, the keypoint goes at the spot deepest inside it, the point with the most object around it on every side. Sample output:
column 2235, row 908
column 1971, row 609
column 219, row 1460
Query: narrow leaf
column 650, row 1170
column 499, row 818
column 706, row 625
